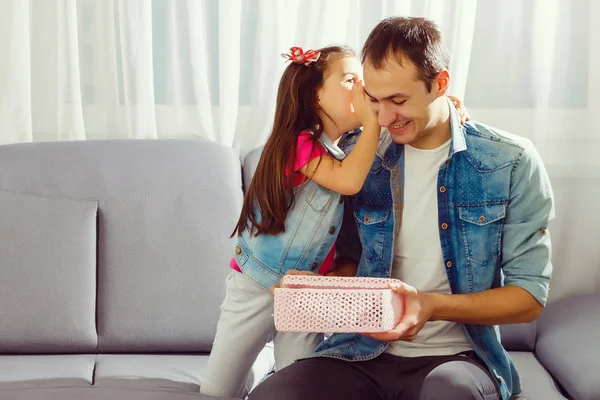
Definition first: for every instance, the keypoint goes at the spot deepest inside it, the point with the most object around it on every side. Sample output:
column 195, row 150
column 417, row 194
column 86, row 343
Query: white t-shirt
column 418, row 259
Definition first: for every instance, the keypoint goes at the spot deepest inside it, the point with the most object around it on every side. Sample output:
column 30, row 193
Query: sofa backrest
column 249, row 166
column 115, row 246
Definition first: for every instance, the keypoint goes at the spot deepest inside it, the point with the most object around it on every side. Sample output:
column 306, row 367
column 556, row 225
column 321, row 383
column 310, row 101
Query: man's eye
column 398, row 103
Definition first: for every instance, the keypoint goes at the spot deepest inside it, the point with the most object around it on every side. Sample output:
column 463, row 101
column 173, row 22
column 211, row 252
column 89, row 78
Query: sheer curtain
column 535, row 71
column 95, row 69
column 89, row 69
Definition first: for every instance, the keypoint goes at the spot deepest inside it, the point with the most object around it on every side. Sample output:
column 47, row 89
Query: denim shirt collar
column 331, row 147
column 457, row 134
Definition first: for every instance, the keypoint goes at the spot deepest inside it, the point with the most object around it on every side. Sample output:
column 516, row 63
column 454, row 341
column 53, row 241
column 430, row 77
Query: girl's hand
column 463, row 114
column 362, row 106
column 290, row 272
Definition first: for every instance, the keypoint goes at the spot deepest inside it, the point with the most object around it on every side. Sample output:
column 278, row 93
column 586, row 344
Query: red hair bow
column 299, row 56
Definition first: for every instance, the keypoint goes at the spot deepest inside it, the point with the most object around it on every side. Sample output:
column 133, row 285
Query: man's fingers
column 398, row 333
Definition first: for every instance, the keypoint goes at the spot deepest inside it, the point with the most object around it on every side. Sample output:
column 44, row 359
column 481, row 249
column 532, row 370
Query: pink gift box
column 313, row 303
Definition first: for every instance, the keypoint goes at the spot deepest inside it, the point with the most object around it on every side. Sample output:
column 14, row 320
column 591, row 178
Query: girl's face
column 335, row 95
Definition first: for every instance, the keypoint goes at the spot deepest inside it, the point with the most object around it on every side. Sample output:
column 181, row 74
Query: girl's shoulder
column 307, row 149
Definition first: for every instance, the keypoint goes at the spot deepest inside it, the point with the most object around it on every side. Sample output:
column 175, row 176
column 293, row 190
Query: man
column 459, row 213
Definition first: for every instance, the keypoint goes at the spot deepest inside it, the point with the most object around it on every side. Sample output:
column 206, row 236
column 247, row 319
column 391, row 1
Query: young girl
column 292, row 209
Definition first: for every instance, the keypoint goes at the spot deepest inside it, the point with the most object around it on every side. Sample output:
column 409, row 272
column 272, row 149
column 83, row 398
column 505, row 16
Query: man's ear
column 442, row 82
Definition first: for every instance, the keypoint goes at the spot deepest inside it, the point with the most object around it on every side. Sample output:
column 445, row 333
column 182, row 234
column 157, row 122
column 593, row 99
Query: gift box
column 313, row 303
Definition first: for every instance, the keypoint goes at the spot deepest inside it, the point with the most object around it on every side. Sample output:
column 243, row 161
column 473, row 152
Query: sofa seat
column 536, row 381
column 101, row 393
column 156, row 376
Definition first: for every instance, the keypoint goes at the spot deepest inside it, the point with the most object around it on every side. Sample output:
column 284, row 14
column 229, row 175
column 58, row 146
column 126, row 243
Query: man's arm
column 348, row 246
column 505, row 305
column 526, row 253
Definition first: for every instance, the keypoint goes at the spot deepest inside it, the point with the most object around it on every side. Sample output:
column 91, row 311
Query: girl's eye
column 351, row 80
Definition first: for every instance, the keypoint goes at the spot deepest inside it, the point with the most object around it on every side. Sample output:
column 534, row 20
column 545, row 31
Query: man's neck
column 438, row 133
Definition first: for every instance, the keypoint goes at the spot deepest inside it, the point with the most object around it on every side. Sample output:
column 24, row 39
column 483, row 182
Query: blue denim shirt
column 494, row 205
column 311, row 228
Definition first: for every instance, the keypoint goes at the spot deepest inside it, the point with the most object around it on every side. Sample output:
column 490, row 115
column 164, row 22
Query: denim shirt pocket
column 317, row 197
column 371, row 222
column 481, row 227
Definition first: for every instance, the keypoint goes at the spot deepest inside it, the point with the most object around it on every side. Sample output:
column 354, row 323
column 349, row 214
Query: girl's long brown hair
column 269, row 192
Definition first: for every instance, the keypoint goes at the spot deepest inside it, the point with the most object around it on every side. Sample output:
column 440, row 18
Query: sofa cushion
column 101, row 393
column 166, row 210
column 567, row 344
column 150, row 371
column 536, row 382
column 164, row 220
column 519, row 337
column 47, row 371
column 172, row 372
column 47, row 273
column 250, row 164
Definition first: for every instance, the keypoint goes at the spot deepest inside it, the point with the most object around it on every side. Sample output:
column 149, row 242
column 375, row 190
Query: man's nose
column 386, row 115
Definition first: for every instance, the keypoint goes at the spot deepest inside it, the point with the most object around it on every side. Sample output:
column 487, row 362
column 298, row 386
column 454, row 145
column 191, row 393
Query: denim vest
column 311, row 228
column 494, row 204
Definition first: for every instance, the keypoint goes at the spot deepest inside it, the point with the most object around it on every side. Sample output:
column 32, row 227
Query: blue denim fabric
column 311, row 229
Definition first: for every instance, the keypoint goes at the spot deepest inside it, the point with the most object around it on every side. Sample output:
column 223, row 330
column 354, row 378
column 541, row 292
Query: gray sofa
column 113, row 256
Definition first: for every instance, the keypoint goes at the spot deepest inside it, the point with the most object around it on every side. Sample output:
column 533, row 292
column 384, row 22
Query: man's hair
column 417, row 39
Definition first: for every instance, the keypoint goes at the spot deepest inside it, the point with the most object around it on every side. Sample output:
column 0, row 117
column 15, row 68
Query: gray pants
column 245, row 325
column 459, row 377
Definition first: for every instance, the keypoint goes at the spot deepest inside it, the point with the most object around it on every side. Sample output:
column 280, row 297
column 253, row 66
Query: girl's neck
column 331, row 130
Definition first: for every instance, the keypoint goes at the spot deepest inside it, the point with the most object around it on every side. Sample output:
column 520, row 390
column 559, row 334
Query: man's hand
column 417, row 311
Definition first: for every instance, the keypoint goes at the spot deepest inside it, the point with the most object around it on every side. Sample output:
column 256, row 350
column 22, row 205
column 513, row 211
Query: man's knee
column 290, row 383
column 276, row 387
column 458, row 381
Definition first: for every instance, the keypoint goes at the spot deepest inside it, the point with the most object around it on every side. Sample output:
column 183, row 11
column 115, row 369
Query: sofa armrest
column 567, row 344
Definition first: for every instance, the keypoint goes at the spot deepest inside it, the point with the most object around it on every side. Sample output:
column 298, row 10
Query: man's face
column 402, row 102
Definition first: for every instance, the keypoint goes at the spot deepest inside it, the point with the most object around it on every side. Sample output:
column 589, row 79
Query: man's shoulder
column 490, row 148
column 349, row 139
column 480, row 131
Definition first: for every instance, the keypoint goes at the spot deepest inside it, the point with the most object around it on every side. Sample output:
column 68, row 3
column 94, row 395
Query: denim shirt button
column 444, row 226
column 238, row 250
column 449, row 264
column 314, row 266
column 443, row 189
column 332, row 230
